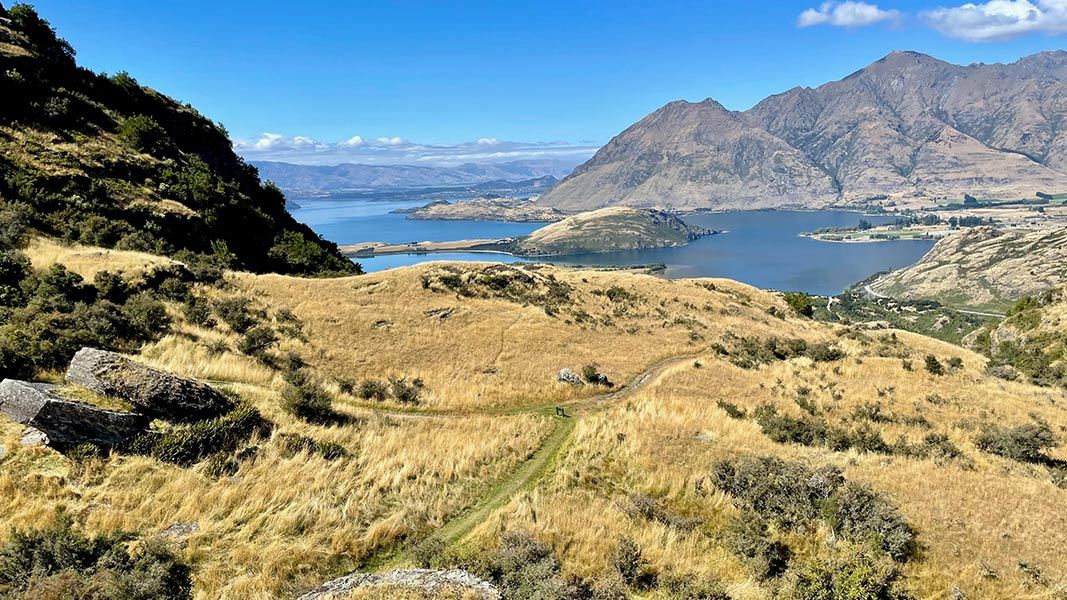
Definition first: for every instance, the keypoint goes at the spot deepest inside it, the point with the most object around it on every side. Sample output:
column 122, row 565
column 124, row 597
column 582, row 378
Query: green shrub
column 373, row 389
column 257, row 340
column 188, row 444
column 787, row 493
column 631, row 565
column 592, row 375
column 427, row 553
column 749, row 537
column 198, row 311
column 934, row 366
column 801, row 303
column 692, row 587
column 310, row 402
column 731, row 409
column 859, row 514
column 1022, row 305
column 1024, row 443
column 293, row 444
column 405, row 392
column 59, row 561
column 863, row 576
column 143, row 134
column 236, row 313
column 147, row 316
column 525, row 568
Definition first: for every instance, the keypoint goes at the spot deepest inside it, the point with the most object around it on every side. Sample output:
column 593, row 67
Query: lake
column 761, row 248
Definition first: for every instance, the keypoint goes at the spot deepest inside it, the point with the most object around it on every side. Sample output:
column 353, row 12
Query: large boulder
column 150, row 391
column 425, row 582
column 65, row 423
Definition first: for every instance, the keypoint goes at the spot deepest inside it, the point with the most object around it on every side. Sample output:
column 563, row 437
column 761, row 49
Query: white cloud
column 395, row 150
column 846, row 14
column 999, row 19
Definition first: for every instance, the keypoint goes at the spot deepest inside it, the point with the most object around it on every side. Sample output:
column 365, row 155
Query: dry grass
column 284, row 525
column 976, row 515
column 493, row 353
column 87, row 261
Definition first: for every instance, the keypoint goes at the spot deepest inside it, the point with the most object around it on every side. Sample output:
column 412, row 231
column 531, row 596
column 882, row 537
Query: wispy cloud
column 846, row 14
column 395, row 150
column 999, row 19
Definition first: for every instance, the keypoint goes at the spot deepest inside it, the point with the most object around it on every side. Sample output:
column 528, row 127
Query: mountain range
column 907, row 128
column 321, row 179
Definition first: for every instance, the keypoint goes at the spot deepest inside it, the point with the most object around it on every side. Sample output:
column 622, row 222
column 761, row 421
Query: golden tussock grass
column 87, row 261
column 975, row 516
column 491, row 352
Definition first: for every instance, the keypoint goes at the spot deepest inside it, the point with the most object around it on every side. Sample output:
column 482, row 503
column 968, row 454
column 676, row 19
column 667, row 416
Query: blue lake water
column 761, row 248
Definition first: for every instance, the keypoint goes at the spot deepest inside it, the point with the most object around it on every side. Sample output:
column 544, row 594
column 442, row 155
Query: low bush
column 405, row 392
column 859, row 514
column 693, row 587
column 293, row 444
column 631, row 565
column 236, row 312
column 859, row 576
column 933, row 365
column 749, row 537
column 310, row 402
column 59, row 561
column 188, row 444
column 592, row 375
column 1023, row 443
column 787, row 493
column 256, row 341
column 524, row 568
column 373, row 389
column 801, row 303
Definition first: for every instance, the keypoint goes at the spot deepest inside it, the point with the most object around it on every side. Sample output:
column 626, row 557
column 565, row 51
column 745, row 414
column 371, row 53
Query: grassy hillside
column 983, row 269
column 716, row 373
column 105, row 161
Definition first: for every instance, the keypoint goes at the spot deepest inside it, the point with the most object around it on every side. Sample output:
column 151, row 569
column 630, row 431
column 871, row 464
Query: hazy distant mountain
column 316, row 179
column 907, row 126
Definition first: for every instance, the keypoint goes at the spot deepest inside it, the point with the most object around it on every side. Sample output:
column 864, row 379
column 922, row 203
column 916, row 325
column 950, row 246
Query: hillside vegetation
column 609, row 230
column 105, row 161
column 983, row 268
column 431, row 401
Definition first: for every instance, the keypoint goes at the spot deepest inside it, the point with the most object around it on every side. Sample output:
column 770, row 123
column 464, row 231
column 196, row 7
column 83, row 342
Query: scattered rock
column 180, row 531
column 568, row 376
column 440, row 313
column 873, row 325
column 1006, row 372
column 33, row 438
column 150, row 391
column 382, row 324
column 425, row 580
column 63, row 423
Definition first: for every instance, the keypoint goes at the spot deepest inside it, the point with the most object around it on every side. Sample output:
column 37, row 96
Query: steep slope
column 609, row 230
column 983, row 268
column 907, row 126
column 682, row 155
column 105, row 161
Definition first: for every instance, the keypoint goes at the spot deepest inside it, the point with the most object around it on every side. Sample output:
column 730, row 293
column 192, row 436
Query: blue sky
column 438, row 73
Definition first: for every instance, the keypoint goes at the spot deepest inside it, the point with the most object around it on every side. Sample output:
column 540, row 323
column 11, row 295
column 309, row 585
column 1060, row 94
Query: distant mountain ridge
column 909, row 126
column 318, row 179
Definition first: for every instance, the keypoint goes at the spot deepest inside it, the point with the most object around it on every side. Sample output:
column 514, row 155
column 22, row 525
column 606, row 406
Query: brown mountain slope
column 908, row 125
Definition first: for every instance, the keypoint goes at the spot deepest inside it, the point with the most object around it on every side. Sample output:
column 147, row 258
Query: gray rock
column 150, row 391
column 426, row 580
column 63, row 423
column 568, row 376
column 33, row 438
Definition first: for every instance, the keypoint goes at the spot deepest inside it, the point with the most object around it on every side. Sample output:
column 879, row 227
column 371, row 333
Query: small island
column 611, row 229
column 489, row 207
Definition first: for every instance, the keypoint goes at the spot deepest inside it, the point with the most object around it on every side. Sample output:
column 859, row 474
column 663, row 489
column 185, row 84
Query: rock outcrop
column 150, row 391
column 66, row 423
column 424, row 580
column 568, row 376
